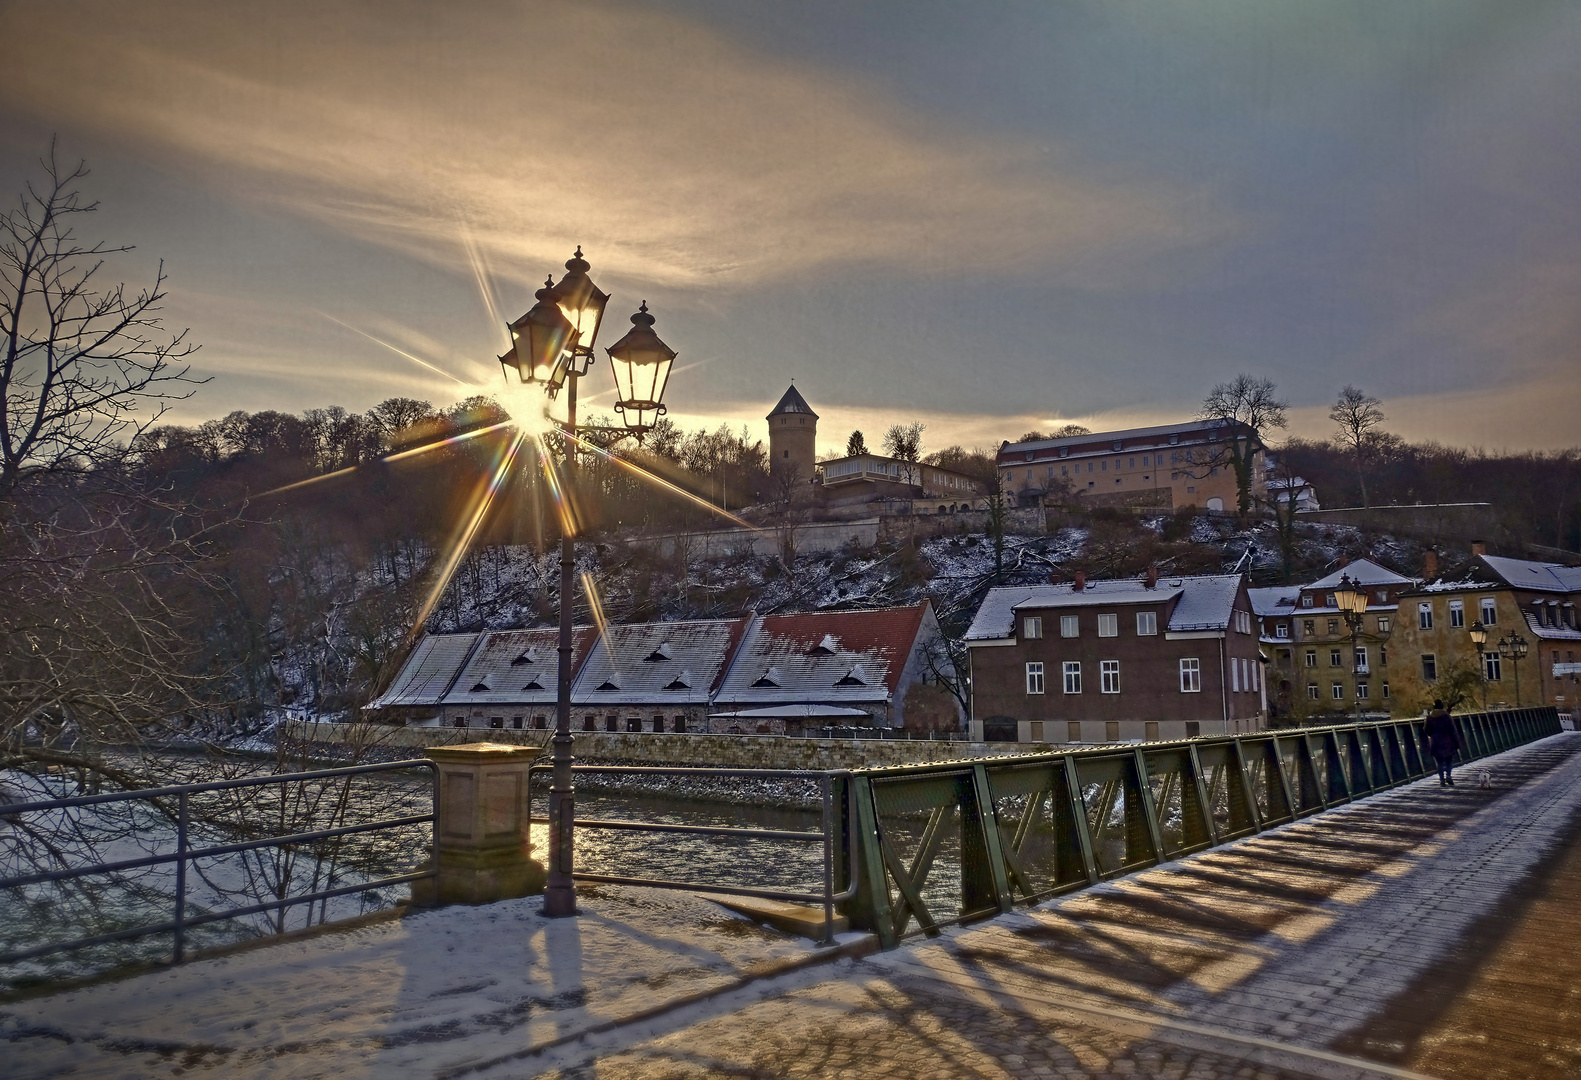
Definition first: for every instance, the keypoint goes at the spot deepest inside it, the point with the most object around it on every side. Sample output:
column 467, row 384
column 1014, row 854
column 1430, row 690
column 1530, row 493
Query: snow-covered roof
column 1362, row 572
column 428, row 672
column 793, row 712
column 1200, row 603
column 824, row 656
column 647, row 663
column 1539, row 576
column 1550, row 633
column 517, row 667
column 1277, row 600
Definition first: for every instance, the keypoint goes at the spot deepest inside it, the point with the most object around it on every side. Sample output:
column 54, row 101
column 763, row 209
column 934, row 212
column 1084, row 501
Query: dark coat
column 1440, row 735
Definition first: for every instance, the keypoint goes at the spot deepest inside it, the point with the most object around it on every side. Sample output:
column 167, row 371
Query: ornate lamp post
column 1479, row 638
column 553, row 347
column 1351, row 599
column 1513, row 648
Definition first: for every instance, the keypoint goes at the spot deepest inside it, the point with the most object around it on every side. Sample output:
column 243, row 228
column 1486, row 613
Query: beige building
column 1533, row 601
column 863, row 478
column 1171, row 466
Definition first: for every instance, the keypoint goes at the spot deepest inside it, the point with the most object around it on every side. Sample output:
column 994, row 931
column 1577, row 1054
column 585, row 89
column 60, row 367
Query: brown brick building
column 1116, row 660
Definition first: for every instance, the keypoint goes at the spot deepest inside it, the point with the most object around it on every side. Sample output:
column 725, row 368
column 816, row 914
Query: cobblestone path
column 1306, row 951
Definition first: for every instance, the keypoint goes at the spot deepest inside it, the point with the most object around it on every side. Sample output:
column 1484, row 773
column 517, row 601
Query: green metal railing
column 937, row 844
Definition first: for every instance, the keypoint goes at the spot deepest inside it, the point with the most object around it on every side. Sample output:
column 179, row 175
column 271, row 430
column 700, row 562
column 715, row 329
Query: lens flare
column 392, row 348
column 595, row 604
column 462, row 541
column 659, row 481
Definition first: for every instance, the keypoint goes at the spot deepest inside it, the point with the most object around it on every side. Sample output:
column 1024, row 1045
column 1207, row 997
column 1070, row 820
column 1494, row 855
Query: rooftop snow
column 1542, row 576
column 427, row 674
column 642, row 663
column 517, row 667
column 1279, row 600
column 825, row 656
column 1203, row 602
column 1362, row 572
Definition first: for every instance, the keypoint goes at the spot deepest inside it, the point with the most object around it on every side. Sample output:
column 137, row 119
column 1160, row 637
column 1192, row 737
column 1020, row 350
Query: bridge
column 1414, row 930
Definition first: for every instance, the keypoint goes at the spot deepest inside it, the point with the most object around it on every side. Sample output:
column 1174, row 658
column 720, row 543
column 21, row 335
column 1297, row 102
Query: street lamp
column 1479, row 638
column 1351, row 599
column 1513, row 648
column 557, row 338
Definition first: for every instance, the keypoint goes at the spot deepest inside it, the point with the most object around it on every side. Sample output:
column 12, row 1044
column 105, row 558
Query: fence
column 174, row 804
column 827, row 898
column 936, row 844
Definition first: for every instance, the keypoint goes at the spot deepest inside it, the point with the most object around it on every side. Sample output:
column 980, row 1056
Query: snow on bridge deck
column 1425, row 928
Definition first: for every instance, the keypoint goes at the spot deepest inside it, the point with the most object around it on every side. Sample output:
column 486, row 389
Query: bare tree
column 94, row 569
column 1356, row 414
column 83, row 368
column 1249, row 408
column 904, row 441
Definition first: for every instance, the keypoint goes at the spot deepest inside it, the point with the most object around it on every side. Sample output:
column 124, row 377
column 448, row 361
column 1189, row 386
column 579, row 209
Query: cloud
column 674, row 155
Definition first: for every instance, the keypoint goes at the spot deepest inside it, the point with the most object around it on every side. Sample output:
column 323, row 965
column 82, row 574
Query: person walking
column 1442, row 741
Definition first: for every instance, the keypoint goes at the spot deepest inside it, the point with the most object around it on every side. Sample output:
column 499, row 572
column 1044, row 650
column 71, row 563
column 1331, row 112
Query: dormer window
column 855, row 677
column 771, row 677
column 827, row 647
column 683, row 681
column 534, row 685
column 662, row 653
column 528, row 656
column 1117, row 445
column 482, row 686
column 609, row 684
column 1306, row 599
column 1174, row 440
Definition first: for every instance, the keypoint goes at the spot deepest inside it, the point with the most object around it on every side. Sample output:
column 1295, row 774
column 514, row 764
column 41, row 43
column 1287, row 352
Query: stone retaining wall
column 725, row 751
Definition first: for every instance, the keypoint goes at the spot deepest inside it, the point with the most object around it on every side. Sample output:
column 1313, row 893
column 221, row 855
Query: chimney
column 1081, row 581
column 1430, row 564
column 1479, row 547
column 1152, row 576
column 1056, row 578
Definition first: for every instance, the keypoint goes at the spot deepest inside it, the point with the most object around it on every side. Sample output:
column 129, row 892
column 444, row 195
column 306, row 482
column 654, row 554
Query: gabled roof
column 1362, row 572
column 517, row 667
column 793, row 402
column 428, row 672
column 1102, row 442
column 824, row 656
column 1200, row 603
column 654, row 663
column 1278, row 600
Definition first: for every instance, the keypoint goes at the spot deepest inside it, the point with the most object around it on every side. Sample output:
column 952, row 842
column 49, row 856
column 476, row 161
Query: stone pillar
column 480, row 830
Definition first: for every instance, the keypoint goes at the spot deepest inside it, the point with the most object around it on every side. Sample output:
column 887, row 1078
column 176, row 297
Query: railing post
column 480, row 826
column 1076, row 807
column 980, row 802
column 1144, row 802
column 180, row 949
column 1199, row 791
column 828, row 859
column 1238, row 792
column 870, row 908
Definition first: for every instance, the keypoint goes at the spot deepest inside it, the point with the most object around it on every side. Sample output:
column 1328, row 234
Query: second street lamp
column 1513, row 648
column 1479, row 638
column 557, row 337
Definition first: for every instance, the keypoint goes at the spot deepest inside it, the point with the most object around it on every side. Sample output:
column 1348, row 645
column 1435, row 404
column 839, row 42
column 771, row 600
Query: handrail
column 185, row 854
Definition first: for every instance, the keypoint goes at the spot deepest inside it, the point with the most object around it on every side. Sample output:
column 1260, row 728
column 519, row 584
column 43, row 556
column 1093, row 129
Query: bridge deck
column 1427, row 930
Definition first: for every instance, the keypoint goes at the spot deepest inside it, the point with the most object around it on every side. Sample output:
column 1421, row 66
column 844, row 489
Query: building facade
column 1318, row 666
column 1116, row 660
column 1167, row 467
column 1534, row 601
column 864, row 478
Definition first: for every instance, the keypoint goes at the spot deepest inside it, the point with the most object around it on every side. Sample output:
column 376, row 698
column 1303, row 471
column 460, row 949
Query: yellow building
column 1171, row 466
column 1528, row 608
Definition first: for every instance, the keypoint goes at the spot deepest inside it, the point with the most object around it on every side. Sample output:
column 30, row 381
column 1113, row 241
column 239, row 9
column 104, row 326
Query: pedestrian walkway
column 1394, row 936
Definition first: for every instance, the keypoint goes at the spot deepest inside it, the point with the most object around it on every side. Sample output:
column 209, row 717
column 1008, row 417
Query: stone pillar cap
column 481, row 751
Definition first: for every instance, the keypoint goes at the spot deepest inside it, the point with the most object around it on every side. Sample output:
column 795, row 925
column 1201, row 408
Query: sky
column 989, row 217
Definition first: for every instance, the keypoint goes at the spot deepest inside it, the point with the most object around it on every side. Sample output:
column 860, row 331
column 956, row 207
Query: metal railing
column 953, row 841
column 185, row 854
column 832, row 786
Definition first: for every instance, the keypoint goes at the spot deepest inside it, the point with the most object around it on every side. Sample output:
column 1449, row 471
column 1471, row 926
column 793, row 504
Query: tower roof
column 793, row 402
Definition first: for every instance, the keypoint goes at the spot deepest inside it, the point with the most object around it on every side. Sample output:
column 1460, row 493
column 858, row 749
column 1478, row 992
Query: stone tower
column 793, row 432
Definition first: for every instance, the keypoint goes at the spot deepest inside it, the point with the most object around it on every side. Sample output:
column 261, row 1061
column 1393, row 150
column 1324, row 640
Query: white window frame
column 1190, row 675
column 1032, row 627
column 1337, row 691
column 1359, row 661
column 1457, row 614
column 1383, row 624
column 1235, row 674
column 1109, row 625
column 1424, row 615
column 1070, row 670
column 1313, row 693
column 1109, row 676
column 1070, row 626
column 1492, row 669
column 1034, row 677
column 1282, row 631
column 1146, row 624
column 1490, row 610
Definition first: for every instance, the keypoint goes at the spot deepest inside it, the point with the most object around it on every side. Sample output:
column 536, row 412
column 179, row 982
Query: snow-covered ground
column 428, row 994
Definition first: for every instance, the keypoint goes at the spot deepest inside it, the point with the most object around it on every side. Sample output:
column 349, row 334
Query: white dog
column 1484, row 778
